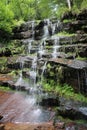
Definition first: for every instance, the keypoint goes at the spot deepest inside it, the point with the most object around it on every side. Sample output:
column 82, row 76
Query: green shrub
column 6, row 18
column 84, row 4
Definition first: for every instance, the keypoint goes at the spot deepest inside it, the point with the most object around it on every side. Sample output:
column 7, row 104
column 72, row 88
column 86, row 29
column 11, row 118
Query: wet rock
column 82, row 15
column 20, row 62
column 5, row 52
column 13, row 65
column 60, row 125
column 40, row 25
column 23, row 35
column 39, row 34
column 26, row 74
column 68, row 71
column 71, row 126
column 76, row 64
column 50, row 102
column 83, row 52
column 68, row 15
column 2, row 126
column 4, row 34
column 24, row 27
column 71, row 113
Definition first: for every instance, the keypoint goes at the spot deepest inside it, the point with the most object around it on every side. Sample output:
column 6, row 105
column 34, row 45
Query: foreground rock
column 2, row 126
column 1, row 117
column 43, row 126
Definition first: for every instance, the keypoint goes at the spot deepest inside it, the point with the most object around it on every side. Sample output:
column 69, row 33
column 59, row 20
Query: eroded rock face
column 79, row 24
column 50, row 102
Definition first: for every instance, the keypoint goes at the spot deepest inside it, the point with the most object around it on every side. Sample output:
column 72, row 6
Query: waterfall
column 29, row 46
column 78, row 79
column 33, row 26
column 41, row 48
column 56, row 46
column 20, row 81
column 46, row 31
column 43, row 70
column 53, row 26
column 33, row 73
column 29, row 77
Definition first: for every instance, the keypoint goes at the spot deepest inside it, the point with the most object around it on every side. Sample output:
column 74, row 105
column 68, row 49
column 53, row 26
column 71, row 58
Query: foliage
column 12, row 11
column 6, row 17
column 4, row 88
column 81, row 58
column 64, row 90
column 64, row 33
column 84, row 4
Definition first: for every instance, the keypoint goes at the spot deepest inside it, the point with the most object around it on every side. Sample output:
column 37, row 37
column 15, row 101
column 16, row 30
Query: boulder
column 2, row 126
column 71, row 113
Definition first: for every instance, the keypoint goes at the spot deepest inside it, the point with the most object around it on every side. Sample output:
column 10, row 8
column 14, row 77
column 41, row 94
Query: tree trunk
column 69, row 4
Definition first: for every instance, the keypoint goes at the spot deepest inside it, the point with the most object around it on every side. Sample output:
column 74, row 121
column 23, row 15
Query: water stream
column 24, row 107
column 55, row 47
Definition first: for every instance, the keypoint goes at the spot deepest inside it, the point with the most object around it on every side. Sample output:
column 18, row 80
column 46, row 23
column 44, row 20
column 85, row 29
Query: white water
column 46, row 31
column 41, row 48
column 33, row 74
column 21, row 108
column 29, row 46
column 55, row 48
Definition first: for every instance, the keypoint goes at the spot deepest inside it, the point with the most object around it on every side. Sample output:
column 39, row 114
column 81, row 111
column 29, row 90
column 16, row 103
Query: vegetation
column 81, row 58
column 64, row 90
column 4, row 88
column 66, row 34
column 14, row 12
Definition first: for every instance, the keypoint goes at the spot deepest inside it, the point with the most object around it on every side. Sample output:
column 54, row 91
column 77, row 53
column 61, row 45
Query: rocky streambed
column 16, row 112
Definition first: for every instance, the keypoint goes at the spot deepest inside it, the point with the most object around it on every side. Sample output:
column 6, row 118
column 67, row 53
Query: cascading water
column 33, row 74
column 32, row 26
column 24, row 107
column 41, row 48
column 55, row 47
column 46, row 28
column 20, row 80
column 29, row 46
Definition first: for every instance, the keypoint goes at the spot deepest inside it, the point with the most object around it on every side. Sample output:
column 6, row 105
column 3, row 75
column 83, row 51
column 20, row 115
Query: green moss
column 18, row 22
column 5, row 88
column 68, row 20
column 3, row 63
column 81, row 58
column 65, row 34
